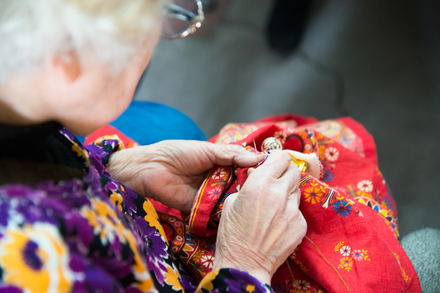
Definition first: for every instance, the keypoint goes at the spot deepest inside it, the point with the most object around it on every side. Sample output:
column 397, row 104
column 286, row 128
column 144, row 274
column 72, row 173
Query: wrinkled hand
column 261, row 225
column 172, row 171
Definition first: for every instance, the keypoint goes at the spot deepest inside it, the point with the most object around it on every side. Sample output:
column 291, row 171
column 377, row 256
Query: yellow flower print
column 35, row 259
column 365, row 254
column 206, row 283
column 339, row 245
column 100, row 141
column 116, row 199
column 364, row 194
column 104, row 221
column 103, row 218
column 196, row 257
column 346, row 263
column 142, row 275
column 301, row 266
column 313, row 194
column 81, row 153
column 153, row 219
column 250, row 288
column 172, row 279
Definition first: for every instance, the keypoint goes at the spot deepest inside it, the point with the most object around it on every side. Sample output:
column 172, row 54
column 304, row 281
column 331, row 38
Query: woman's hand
column 172, row 171
column 261, row 225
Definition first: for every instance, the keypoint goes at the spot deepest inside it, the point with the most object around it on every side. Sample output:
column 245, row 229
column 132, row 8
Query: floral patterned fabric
column 352, row 239
column 93, row 234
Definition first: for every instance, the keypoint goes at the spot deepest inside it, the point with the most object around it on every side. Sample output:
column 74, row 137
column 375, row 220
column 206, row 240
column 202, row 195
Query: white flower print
column 280, row 135
column 301, row 285
column 219, row 174
column 331, row 154
column 365, row 186
column 207, row 260
column 345, row 250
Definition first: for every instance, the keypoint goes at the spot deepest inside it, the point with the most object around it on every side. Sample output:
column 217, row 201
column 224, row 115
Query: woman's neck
column 18, row 105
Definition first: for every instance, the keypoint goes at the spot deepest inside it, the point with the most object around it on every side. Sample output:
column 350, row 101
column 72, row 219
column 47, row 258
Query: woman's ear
column 68, row 65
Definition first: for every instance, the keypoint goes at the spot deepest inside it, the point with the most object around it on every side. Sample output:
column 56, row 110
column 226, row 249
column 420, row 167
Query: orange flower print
column 322, row 152
column 346, row 263
column 332, row 154
column 304, row 135
column 172, row 279
column 81, row 153
column 116, row 199
column 35, row 258
column 313, row 194
column 104, row 220
column 365, row 186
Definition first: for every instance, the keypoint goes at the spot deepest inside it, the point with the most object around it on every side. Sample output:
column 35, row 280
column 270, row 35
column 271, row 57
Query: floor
column 381, row 57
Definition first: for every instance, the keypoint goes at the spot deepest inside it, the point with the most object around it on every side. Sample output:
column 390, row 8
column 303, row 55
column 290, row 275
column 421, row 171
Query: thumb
column 229, row 201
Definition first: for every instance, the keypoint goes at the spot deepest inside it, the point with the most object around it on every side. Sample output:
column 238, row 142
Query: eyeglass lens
column 178, row 17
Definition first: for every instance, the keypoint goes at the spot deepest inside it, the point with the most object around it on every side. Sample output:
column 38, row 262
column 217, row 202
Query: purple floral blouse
column 93, row 234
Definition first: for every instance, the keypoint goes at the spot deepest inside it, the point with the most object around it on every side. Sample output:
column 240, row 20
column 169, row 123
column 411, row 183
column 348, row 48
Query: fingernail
column 250, row 170
column 261, row 161
column 261, row 157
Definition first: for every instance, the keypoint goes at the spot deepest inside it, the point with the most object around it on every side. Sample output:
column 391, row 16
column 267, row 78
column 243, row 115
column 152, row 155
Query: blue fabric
column 149, row 122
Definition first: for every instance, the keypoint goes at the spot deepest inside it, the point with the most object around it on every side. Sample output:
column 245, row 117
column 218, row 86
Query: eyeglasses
column 181, row 18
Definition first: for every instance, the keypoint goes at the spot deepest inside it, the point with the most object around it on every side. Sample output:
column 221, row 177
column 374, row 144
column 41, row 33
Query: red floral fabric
column 352, row 239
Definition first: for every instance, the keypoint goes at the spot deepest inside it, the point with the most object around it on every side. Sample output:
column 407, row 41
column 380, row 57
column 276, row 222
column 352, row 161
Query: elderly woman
column 75, row 218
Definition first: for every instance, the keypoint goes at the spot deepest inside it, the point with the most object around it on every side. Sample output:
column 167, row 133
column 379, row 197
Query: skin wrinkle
column 270, row 211
column 178, row 165
column 85, row 94
column 236, row 247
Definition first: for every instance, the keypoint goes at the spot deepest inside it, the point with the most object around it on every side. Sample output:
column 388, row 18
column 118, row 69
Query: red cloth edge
column 367, row 138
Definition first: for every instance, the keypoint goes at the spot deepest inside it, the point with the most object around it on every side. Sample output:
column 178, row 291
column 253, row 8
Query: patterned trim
column 198, row 200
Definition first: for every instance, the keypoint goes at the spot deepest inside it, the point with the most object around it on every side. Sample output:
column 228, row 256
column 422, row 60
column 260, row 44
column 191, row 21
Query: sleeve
column 231, row 280
column 103, row 147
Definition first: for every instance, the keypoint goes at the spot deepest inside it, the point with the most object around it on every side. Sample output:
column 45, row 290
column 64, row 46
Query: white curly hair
column 33, row 30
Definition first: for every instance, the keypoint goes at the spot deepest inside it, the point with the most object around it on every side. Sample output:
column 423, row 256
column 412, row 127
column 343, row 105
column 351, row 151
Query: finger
column 226, row 155
column 292, row 176
column 289, row 180
column 276, row 165
column 295, row 196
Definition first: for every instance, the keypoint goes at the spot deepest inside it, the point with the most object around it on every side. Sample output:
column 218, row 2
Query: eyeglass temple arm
column 179, row 10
